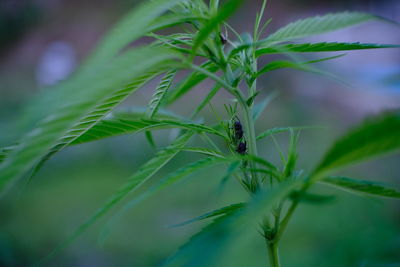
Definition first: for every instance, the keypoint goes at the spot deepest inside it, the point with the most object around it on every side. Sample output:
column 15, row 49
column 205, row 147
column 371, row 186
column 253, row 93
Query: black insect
column 222, row 39
column 242, row 148
column 237, row 126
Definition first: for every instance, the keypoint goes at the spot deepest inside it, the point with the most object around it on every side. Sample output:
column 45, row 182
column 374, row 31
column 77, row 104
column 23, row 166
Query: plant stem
column 273, row 254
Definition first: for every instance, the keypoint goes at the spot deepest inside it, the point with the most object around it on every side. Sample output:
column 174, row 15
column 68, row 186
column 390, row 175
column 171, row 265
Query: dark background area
column 43, row 41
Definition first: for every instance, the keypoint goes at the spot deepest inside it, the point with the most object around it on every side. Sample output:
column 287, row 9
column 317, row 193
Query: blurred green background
column 42, row 42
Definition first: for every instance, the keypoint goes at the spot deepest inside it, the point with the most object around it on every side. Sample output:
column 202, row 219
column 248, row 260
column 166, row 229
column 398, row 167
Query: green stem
column 273, row 254
column 251, row 135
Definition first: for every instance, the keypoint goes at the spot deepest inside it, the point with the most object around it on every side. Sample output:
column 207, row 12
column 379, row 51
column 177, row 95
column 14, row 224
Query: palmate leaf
column 362, row 187
column 211, row 214
column 167, row 181
column 320, row 47
column 141, row 176
column 376, row 136
column 123, row 125
column 79, row 103
column 218, row 243
column 317, row 25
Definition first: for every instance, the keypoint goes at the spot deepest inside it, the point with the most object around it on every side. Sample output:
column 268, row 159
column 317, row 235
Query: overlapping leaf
column 141, row 176
column 213, row 246
column 169, row 180
column 79, row 103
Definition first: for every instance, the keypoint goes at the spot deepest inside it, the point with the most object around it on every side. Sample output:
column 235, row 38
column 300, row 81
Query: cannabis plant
column 201, row 46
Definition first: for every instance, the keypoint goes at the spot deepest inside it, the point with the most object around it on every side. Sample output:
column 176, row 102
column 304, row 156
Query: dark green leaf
column 376, row 136
column 211, row 214
column 319, row 47
column 311, row 198
column 361, row 186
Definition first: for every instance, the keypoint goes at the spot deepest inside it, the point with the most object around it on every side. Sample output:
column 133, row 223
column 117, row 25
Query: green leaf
column 150, row 139
column 211, row 214
column 207, row 99
column 190, row 82
column 134, row 25
column 204, row 151
column 311, row 198
column 376, row 136
column 361, row 186
column 317, row 25
column 320, row 47
column 290, row 164
column 123, row 125
column 224, row 12
column 160, row 93
column 4, row 152
column 261, row 161
column 158, row 97
column 280, row 64
column 141, row 176
column 261, row 106
column 272, row 131
column 231, row 170
column 170, row 20
column 167, row 181
column 79, row 103
column 98, row 113
column 219, row 242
